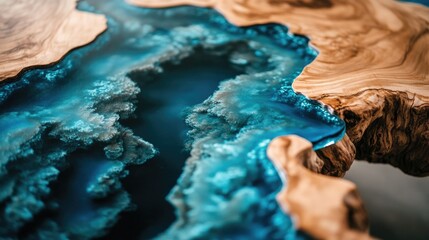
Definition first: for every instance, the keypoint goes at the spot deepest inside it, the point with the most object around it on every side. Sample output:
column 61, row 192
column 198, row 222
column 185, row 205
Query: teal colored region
column 157, row 129
column 423, row 2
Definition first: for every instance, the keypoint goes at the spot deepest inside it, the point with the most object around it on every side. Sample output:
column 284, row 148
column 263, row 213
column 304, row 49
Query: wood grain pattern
column 373, row 58
column 41, row 32
column 373, row 70
column 383, row 126
column 362, row 44
column 336, row 210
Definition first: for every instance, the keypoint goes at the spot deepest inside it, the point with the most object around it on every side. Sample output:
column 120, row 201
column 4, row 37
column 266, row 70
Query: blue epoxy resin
column 157, row 129
column 423, row 2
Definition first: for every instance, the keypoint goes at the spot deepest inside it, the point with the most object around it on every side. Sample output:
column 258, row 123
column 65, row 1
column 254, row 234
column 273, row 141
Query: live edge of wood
column 40, row 32
column 373, row 71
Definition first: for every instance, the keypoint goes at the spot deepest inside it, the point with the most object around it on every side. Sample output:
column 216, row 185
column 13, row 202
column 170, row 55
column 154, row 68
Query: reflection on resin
column 92, row 145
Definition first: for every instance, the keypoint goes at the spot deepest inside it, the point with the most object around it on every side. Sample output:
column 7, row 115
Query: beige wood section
column 362, row 44
column 41, row 32
column 373, row 70
column 325, row 207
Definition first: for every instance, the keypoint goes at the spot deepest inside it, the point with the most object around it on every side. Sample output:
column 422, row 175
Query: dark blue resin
column 423, row 2
column 92, row 145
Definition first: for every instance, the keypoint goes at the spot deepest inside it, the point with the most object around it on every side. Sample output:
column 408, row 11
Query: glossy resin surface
column 173, row 104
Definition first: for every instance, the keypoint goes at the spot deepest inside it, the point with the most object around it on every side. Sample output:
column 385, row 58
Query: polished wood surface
column 40, row 32
column 362, row 45
column 373, row 59
column 325, row 207
column 373, row 71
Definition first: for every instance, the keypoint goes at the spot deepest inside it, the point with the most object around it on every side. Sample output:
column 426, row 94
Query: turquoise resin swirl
column 75, row 137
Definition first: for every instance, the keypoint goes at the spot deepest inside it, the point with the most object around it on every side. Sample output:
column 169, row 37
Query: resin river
column 157, row 129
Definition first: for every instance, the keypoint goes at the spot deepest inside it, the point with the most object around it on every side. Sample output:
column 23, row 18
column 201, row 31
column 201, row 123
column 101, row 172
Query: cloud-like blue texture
column 65, row 148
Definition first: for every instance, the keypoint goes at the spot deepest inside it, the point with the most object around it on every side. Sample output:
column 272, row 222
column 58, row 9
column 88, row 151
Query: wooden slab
column 41, row 32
